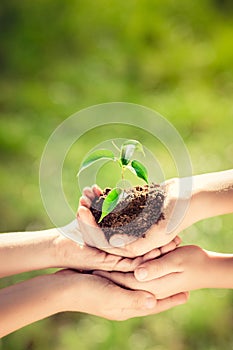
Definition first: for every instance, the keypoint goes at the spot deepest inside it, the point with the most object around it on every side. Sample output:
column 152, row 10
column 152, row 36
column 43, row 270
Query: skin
column 176, row 271
column 50, row 249
column 68, row 290
column 183, row 207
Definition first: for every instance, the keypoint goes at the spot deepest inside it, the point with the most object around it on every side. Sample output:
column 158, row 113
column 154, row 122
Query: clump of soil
column 135, row 214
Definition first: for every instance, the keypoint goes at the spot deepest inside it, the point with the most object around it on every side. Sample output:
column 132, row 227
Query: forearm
column 212, row 194
column 27, row 251
column 67, row 290
column 29, row 301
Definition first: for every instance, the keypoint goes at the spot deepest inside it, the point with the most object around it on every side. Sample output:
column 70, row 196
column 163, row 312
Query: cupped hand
column 163, row 234
column 99, row 296
column 70, row 254
column 179, row 270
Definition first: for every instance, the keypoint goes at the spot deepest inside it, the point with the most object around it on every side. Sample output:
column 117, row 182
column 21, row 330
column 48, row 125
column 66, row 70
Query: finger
column 97, row 190
column 168, row 247
column 85, row 201
column 157, row 268
column 133, row 303
column 126, row 303
column 86, row 217
column 154, row 253
column 170, row 302
column 177, row 240
column 91, row 233
column 126, row 279
column 109, row 262
column 160, row 306
column 140, row 300
column 163, row 303
column 146, row 305
column 171, row 245
column 141, row 303
column 162, row 250
column 89, row 193
column 162, row 287
column 117, row 263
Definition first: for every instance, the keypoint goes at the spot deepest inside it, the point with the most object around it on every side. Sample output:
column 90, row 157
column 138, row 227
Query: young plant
column 125, row 161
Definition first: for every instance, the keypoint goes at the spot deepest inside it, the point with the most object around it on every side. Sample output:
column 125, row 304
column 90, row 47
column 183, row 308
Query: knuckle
column 156, row 269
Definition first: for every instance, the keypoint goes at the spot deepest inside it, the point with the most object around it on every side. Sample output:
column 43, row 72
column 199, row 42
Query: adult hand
column 51, row 249
column 67, row 290
column 88, row 293
column 70, row 254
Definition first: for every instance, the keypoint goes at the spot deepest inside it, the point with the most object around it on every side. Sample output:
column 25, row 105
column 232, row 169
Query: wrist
column 220, row 270
column 69, row 247
column 212, row 194
column 69, row 290
column 67, row 253
column 52, row 288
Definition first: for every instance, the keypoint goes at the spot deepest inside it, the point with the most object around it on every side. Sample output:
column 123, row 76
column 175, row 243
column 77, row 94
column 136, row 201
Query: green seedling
column 125, row 161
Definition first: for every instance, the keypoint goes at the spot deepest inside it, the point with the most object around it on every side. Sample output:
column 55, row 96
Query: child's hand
column 156, row 236
column 183, row 269
column 187, row 268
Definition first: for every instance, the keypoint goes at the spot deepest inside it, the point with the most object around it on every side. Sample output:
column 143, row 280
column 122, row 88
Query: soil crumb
column 141, row 208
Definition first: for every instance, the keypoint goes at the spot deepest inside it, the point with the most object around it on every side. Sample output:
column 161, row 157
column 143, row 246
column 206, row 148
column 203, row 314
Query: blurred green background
column 57, row 57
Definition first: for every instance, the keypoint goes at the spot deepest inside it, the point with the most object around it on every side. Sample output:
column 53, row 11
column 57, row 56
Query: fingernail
column 141, row 273
column 150, row 303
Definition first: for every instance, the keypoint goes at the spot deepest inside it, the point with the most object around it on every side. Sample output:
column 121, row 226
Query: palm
column 157, row 236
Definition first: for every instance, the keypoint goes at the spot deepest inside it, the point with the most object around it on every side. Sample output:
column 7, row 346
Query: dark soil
column 133, row 215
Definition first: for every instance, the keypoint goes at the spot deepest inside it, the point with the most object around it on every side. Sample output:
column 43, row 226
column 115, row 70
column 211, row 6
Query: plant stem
column 122, row 172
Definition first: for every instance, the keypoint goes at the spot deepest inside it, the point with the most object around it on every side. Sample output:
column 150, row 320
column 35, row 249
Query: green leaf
column 127, row 150
column 95, row 156
column 140, row 170
column 111, row 202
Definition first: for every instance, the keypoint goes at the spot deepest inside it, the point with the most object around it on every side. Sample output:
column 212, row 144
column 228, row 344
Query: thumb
column 85, row 215
column 91, row 233
column 156, row 268
column 133, row 303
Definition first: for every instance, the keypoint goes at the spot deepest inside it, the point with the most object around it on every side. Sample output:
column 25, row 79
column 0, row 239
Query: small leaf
column 110, row 202
column 140, row 170
column 127, row 150
column 94, row 156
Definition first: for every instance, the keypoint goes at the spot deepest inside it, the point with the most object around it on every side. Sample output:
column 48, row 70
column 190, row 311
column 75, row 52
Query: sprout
column 125, row 161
